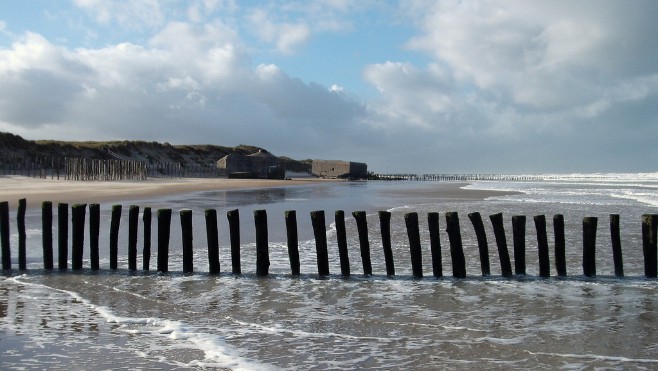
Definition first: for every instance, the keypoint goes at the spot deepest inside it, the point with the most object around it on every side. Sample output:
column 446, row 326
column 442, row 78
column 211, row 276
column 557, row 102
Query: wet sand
column 35, row 190
column 446, row 191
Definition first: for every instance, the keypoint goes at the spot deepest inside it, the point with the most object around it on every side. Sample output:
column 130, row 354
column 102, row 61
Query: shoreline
column 36, row 190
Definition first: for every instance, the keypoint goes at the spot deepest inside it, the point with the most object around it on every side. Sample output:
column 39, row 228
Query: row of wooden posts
column 78, row 213
column 460, row 177
column 73, row 168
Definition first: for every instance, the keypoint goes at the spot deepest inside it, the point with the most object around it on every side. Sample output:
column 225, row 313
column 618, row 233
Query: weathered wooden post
column 133, row 223
column 262, row 250
column 47, row 234
column 542, row 246
column 63, row 235
column 456, row 247
column 341, row 237
column 435, row 243
column 4, row 235
column 411, row 221
column 22, row 237
column 78, row 212
column 187, row 237
column 589, row 246
column 164, row 225
column 94, row 231
column 114, row 236
column 146, row 218
column 212, row 235
column 501, row 242
column 293, row 241
column 518, row 234
column 483, row 246
column 320, row 234
column 233, row 217
column 615, row 237
column 364, row 244
column 385, row 227
column 649, row 226
column 560, row 245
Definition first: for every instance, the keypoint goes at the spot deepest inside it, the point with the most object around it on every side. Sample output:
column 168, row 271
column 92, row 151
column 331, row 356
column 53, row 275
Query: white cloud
column 506, row 85
column 190, row 83
column 285, row 36
column 410, row 96
column 129, row 14
column 547, row 55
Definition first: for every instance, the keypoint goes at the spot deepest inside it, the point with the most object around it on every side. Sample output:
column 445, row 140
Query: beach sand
column 35, row 190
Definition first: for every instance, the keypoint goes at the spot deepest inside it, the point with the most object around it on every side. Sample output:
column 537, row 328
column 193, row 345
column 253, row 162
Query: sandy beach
column 35, row 190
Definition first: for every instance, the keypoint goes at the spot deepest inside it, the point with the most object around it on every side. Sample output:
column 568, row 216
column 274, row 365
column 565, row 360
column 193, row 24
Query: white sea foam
column 306, row 334
column 582, row 189
column 598, row 357
column 215, row 349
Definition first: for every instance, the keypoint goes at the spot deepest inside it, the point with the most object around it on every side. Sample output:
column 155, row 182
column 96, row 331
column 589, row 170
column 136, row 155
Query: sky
column 409, row 86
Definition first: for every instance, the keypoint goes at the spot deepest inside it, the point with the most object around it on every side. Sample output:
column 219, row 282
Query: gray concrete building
column 262, row 165
column 339, row 169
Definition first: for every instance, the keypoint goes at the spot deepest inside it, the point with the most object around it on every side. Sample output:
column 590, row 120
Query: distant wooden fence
column 73, row 168
column 460, row 177
column 163, row 216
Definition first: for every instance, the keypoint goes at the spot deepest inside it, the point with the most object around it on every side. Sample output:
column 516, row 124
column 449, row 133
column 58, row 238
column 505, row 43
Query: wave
column 216, row 352
column 608, row 190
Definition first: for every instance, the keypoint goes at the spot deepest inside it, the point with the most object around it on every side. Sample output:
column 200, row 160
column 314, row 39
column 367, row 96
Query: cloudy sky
column 405, row 86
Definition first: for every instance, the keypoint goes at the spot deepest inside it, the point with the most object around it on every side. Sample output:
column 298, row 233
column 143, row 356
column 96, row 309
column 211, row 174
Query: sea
column 148, row 320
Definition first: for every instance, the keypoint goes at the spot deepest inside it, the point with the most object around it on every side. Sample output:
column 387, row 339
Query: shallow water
column 176, row 321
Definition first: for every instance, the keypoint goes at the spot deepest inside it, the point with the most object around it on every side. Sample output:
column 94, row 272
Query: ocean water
column 147, row 320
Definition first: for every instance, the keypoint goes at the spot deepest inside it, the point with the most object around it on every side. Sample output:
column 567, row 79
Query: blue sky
column 405, row 86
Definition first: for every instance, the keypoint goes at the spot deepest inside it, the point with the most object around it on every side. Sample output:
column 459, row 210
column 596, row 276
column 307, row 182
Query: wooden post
column 542, row 246
column 589, row 246
column 63, row 235
column 4, row 235
column 187, row 237
column 233, row 217
column 649, row 226
column 320, row 233
column 456, row 247
column 518, row 233
column 20, row 220
column 435, row 243
column 133, row 223
column 483, row 246
column 560, row 245
column 47, row 234
column 411, row 221
column 114, row 236
column 616, row 245
column 212, row 235
column 146, row 218
column 341, row 237
column 164, row 225
column 94, row 230
column 364, row 244
column 77, row 235
column 262, row 250
column 501, row 242
column 385, row 227
column 293, row 241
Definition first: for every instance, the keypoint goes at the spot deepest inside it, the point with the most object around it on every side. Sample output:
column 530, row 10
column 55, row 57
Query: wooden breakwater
column 461, row 177
column 649, row 223
column 75, row 168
